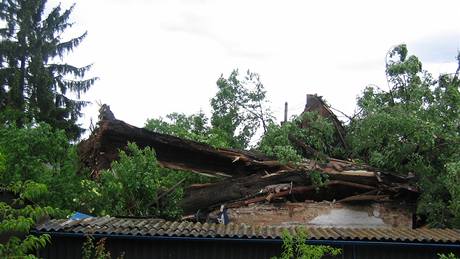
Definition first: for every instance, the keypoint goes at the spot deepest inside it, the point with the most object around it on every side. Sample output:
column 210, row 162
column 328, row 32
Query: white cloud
column 156, row 57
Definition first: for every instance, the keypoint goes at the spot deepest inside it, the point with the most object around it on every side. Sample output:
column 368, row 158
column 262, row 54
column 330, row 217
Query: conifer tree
column 36, row 85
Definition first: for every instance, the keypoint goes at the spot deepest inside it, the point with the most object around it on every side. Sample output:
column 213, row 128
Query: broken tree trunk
column 249, row 174
column 102, row 147
column 315, row 103
column 244, row 190
column 235, row 189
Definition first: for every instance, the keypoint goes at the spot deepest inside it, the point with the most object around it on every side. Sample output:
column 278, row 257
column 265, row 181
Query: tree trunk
column 249, row 175
column 102, row 147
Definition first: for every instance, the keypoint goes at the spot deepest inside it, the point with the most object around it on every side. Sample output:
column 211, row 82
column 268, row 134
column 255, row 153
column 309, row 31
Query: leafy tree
column 141, row 186
column 295, row 247
column 36, row 85
column 239, row 108
column 194, row 127
column 44, row 156
column 17, row 218
column 15, row 221
column 413, row 128
column 39, row 165
column 282, row 141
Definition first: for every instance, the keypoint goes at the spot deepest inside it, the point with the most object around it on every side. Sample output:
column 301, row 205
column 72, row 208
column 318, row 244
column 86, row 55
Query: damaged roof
column 161, row 228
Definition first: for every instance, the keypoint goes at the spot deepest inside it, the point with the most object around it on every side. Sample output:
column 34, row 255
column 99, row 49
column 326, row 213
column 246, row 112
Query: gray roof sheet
column 158, row 227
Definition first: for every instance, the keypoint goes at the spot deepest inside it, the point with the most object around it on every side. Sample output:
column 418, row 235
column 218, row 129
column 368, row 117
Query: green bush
column 98, row 251
column 136, row 185
column 319, row 135
column 295, row 247
column 44, row 156
column 447, row 256
column 193, row 127
column 17, row 218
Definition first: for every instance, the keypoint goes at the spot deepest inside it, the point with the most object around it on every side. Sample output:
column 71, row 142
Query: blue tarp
column 78, row 215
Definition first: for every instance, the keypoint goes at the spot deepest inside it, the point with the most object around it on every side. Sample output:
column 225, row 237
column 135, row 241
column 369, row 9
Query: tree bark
column 248, row 174
column 102, row 147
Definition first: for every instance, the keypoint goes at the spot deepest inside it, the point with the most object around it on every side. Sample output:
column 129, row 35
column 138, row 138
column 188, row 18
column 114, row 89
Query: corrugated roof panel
column 155, row 227
column 318, row 233
column 234, row 228
column 55, row 225
column 343, row 233
column 375, row 233
column 102, row 221
column 366, row 234
column 204, row 227
column 452, row 233
column 79, row 229
column 211, row 231
column 356, row 233
column 271, row 232
column 408, row 235
column 332, row 234
column 117, row 222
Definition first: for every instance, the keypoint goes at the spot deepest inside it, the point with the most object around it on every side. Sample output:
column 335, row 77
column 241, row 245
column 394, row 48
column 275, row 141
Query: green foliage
column 318, row 179
column 89, row 251
column 452, row 182
column 141, row 186
column 239, row 108
column 447, row 256
column 276, row 142
column 35, row 84
column 18, row 220
column 42, row 157
column 137, row 181
column 295, row 247
column 17, row 248
column 238, row 111
column 2, row 163
column 194, row 127
column 413, row 128
column 38, row 165
column 280, row 140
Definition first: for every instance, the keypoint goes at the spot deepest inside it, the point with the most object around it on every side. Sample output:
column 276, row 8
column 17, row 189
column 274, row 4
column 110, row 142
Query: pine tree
column 36, row 85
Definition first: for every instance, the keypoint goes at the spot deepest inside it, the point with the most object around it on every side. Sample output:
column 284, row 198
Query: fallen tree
column 248, row 176
column 297, row 183
column 102, row 147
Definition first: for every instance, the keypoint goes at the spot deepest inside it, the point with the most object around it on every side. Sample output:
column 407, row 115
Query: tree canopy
column 239, row 108
column 36, row 84
column 413, row 128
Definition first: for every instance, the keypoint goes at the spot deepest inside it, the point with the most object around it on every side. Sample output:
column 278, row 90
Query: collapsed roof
column 246, row 177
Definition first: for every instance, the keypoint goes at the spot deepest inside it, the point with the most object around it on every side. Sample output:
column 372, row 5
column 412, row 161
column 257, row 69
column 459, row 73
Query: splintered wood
column 245, row 177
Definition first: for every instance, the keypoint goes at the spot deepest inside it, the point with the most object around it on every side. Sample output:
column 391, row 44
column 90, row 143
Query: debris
column 102, row 147
column 246, row 177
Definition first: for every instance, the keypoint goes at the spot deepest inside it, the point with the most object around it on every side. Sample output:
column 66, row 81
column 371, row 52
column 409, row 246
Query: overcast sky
column 155, row 57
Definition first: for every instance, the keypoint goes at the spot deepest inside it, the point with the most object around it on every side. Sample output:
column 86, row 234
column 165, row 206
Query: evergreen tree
column 36, row 85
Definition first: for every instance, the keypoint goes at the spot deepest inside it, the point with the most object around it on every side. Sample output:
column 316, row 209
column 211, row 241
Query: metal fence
column 65, row 245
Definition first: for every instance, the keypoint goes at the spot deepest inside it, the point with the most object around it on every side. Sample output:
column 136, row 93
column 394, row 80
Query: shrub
column 295, row 247
column 136, row 185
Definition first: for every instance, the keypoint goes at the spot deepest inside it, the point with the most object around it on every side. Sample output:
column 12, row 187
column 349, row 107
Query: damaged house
column 359, row 208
